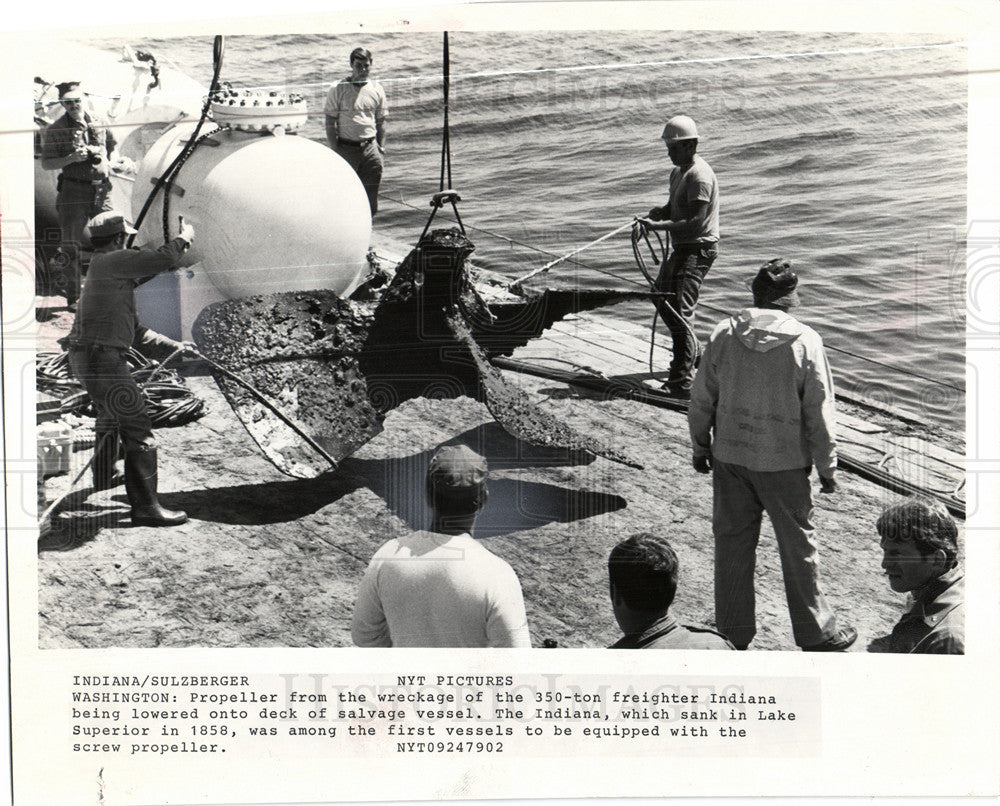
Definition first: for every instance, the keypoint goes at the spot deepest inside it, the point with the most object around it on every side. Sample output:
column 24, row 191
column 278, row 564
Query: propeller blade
column 518, row 415
column 299, row 351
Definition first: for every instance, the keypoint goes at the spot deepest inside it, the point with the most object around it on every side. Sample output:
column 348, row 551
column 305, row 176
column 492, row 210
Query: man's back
column 107, row 313
column 766, row 388
column 436, row 590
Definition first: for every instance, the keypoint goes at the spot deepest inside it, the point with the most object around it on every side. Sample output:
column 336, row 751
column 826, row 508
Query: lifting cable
column 448, row 194
column 445, row 136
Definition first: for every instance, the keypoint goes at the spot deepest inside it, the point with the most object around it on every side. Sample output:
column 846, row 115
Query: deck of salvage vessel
column 267, row 560
column 871, row 442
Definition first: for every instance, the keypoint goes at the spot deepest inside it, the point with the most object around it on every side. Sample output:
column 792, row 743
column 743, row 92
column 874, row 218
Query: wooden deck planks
column 620, row 349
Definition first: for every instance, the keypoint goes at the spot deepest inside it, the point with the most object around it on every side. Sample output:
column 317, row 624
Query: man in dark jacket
column 79, row 147
column 105, row 327
column 643, row 576
column 919, row 542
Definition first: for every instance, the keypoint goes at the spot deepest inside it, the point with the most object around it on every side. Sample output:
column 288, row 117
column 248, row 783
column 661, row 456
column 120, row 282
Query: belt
column 356, row 143
column 80, row 345
column 695, row 245
column 91, row 182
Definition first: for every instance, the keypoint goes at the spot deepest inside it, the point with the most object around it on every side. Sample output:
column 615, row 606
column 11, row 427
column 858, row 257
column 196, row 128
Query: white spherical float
column 271, row 212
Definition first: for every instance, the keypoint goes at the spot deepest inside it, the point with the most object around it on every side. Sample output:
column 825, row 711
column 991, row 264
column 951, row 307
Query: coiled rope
column 639, row 233
column 169, row 402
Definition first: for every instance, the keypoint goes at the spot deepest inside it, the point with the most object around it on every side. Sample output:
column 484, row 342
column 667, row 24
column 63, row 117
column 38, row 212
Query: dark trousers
column 680, row 279
column 120, row 404
column 76, row 204
column 367, row 164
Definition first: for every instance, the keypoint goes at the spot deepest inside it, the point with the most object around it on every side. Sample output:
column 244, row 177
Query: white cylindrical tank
column 271, row 212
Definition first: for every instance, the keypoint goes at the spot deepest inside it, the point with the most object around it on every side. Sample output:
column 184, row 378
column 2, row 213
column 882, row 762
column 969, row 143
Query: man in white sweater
column 761, row 416
column 441, row 588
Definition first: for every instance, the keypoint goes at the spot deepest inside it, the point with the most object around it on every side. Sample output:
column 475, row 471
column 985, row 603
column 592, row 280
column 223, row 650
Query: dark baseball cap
column 108, row 223
column 66, row 87
column 775, row 283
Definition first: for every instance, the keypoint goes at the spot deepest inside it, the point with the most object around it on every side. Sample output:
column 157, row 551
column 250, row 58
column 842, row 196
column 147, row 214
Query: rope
column 552, row 263
column 637, row 231
column 169, row 402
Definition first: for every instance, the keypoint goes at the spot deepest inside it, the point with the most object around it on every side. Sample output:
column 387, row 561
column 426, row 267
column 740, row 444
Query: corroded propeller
column 335, row 367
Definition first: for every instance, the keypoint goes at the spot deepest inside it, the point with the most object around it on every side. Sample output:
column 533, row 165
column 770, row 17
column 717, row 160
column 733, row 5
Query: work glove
column 186, row 230
column 703, row 464
column 827, row 484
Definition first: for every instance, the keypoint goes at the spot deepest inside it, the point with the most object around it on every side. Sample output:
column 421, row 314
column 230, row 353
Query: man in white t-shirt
column 441, row 588
column 355, row 123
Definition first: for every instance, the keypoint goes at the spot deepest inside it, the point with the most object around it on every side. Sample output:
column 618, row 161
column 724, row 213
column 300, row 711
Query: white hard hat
column 679, row 127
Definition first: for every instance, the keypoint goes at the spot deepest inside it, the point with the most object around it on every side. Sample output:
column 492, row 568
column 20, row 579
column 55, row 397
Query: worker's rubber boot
column 106, row 475
column 140, row 485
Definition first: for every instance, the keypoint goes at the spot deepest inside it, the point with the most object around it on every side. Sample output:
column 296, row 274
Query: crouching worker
column 643, row 573
column 440, row 588
column 105, row 327
column 919, row 542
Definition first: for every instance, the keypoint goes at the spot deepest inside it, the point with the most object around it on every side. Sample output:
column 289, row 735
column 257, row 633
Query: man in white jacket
column 761, row 416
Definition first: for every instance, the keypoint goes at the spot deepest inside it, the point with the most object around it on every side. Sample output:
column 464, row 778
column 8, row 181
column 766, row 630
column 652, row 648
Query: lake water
column 844, row 152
